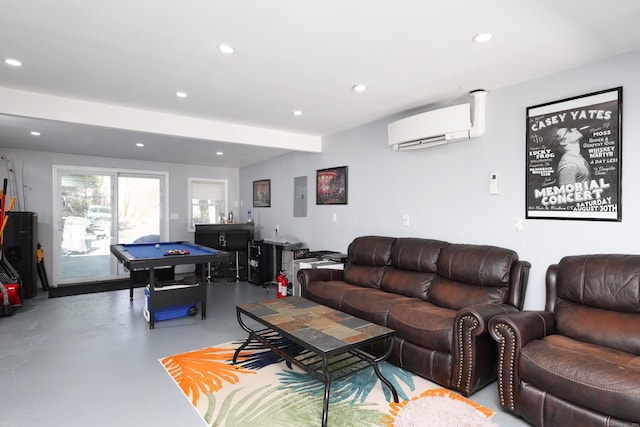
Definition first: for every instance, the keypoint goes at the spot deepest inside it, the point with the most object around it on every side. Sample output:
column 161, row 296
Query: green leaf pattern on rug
column 271, row 406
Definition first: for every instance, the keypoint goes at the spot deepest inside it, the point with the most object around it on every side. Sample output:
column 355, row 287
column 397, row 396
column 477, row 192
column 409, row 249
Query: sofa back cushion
column 472, row 274
column 414, row 266
column 368, row 258
column 598, row 300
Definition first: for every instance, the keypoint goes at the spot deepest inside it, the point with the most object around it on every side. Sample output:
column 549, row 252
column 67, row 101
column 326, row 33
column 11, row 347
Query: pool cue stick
column 13, row 200
column 6, row 218
column 4, row 198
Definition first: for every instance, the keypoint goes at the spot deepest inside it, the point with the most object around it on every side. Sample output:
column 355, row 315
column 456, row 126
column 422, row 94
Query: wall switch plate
column 493, row 183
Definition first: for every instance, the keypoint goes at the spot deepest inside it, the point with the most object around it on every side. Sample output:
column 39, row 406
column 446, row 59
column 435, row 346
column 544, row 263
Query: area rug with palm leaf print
column 261, row 389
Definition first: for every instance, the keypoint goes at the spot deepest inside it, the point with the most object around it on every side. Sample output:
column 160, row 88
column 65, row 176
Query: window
column 208, row 201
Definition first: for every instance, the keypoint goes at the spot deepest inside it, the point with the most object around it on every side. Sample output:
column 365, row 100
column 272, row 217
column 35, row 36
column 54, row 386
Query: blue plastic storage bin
column 166, row 313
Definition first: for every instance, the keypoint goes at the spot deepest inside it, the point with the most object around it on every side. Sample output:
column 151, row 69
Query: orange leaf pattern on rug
column 203, row 371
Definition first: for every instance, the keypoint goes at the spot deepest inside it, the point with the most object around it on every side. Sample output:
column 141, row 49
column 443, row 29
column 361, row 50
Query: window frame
column 191, row 226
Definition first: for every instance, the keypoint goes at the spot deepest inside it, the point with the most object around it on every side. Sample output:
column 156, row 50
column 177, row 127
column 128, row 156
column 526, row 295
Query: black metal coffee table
column 331, row 340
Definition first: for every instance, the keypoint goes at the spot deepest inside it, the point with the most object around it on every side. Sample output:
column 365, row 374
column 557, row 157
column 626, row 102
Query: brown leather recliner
column 437, row 296
column 578, row 362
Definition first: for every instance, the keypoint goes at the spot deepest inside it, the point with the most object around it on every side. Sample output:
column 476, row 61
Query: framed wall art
column 262, row 193
column 331, row 186
column 574, row 157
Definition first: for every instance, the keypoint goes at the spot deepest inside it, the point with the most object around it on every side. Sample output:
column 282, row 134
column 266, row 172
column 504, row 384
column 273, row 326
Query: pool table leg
column 203, row 284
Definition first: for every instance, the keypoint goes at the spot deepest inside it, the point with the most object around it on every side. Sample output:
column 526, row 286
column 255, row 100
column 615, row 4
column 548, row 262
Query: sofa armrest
column 474, row 351
column 512, row 332
column 308, row 275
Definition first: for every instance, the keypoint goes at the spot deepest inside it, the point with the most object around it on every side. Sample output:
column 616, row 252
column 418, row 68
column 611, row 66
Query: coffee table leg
column 249, row 339
column 327, row 387
column 376, row 368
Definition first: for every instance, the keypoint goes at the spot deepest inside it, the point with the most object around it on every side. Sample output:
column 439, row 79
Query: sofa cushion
column 472, row 274
column 368, row 258
column 364, row 276
column 414, row 265
column 371, row 304
column 371, row 250
column 588, row 375
column 413, row 254
column 455, row 295
column 328, row 293
column 611, row 282
column 477, row 264
column 409, row 283
column 598, row 300
column 597, row 326
column 424, row 324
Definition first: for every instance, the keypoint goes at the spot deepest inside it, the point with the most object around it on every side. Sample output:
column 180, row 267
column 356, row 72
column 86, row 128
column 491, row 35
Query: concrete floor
column 91, row 360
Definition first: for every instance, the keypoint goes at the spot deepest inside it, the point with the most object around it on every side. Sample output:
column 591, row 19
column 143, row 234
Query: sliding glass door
column 96, row 208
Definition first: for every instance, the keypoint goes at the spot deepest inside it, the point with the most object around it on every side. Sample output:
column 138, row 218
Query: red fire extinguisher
column 282, row 285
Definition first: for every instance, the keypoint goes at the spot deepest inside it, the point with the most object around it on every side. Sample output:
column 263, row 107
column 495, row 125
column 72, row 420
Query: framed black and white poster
column 574, row 156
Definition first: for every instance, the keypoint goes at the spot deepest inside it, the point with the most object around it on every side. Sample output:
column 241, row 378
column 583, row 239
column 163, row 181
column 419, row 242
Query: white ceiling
column 290, row 55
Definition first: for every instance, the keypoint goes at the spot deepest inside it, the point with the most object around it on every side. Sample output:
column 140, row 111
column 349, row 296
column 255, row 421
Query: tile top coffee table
column 331, row 341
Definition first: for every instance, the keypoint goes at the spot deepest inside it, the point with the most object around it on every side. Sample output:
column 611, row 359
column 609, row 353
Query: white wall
column 444, row 189
column 34, row 170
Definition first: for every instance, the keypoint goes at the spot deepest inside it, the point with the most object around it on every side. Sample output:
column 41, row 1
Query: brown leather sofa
column 578, row 362
column 437, row 296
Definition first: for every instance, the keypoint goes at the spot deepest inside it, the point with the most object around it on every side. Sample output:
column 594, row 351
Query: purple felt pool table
column 151, row 255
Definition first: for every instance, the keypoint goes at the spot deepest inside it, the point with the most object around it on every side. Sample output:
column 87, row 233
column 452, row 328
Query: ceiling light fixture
column 297, row 113
column 35, row 133
column 226, row 49
column 139, row 144
column 219, row 153
column 13, row 62
column 181, row 94
column 359, row 87
column 482, row 37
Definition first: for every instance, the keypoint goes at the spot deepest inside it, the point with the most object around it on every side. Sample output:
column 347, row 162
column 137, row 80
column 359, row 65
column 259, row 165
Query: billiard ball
column 157, row 245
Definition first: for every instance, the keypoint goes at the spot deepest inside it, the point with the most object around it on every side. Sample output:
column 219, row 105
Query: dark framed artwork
column 262, row 193
column 574, row 158
column 331, row 186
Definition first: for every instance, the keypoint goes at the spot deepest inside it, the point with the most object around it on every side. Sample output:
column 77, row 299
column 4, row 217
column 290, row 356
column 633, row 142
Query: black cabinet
column 261, row 262
column 233, row 238
column 20, row 247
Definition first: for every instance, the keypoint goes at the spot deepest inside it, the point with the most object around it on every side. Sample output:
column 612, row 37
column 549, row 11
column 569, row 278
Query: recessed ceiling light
column 13, row 62
column 181, row 94
column 482, row 37
column 219, row 153
column 297, row 113
column 139, row 144
column 359, row 87
column 226, row 49
column 35, row 133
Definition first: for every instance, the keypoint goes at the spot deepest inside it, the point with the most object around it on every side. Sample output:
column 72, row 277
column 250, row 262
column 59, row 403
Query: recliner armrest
column 512, row 332
column 481, row 314
column 308, row 275
column 473, row 349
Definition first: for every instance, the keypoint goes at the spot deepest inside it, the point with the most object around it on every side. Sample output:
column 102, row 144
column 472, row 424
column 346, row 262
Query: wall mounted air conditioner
column 440, row 126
